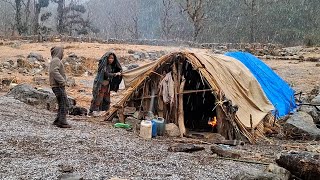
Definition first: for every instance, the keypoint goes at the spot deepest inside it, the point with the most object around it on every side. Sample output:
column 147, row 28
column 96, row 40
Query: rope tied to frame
column 219, row 103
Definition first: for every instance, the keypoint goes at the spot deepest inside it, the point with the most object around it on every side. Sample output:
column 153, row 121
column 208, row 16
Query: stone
column 304, row 165
column 40, row 98
column 72, row 55
column 78, row 111
column 224, row 151
column 66, row 168
column 70, row 176
column 10, row 62
column 172, row 130
column 22, row 63
column 137, row 57
column 141, row 54
column 313, row 112
column 280, row 171
column 132, row 66
column 6, row 65
column 257, row 175
column 130, row 51
column 8, row 80
column 35, row 56
column 300, row 125
column 316, row 100
column 318, row 65
column 153, row 55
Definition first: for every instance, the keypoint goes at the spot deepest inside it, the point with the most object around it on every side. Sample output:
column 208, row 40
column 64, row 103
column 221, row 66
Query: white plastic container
column 146, row 129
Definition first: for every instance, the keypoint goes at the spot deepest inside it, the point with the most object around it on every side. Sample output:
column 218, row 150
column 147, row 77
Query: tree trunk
column 36, row 19
column 60, row 27
column 18, row 16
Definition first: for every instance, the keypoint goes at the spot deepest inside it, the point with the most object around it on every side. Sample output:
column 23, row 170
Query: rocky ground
column 31, row 148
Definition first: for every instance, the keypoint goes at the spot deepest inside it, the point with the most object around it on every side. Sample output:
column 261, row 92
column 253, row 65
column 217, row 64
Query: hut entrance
column 199, row 104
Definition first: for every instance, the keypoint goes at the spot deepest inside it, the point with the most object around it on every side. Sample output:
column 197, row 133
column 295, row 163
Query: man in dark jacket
column 57, row 80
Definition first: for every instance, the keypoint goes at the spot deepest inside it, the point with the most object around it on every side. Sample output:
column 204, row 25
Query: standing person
column 57, row 80
column 108, row 79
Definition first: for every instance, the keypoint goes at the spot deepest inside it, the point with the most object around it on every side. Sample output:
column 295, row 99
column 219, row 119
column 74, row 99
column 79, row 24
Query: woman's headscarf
column 103, row 63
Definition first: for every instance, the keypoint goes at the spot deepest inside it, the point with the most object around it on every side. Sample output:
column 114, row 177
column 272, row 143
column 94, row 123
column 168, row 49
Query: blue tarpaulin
column 279, row 93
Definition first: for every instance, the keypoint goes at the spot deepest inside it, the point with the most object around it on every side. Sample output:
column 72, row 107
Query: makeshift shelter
column 197, row 89
column 276, row 89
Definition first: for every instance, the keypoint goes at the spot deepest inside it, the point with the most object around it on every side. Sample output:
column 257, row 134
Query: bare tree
column 195, row 9
column 39, row 4
column 7, row 18
column 251, row 5
column 27, row 7
column 60, row 17
column 17, row 6
column 166, row 19
column 133, row 26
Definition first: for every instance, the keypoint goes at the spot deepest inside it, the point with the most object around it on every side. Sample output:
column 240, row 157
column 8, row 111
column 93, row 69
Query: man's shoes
column 61, row 125
column 56, row 122
column 64, row 125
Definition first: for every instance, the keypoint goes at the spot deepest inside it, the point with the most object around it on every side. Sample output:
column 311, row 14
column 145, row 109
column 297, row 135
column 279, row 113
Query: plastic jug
column 160, row 125
column 146, row 129
column 154, row 128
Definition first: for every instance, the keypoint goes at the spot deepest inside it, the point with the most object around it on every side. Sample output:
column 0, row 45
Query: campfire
column 213, row 122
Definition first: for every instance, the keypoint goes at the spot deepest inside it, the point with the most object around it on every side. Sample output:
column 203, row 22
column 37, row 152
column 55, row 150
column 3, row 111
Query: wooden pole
column 251, row 124
column 180, row 110
column 174, row 109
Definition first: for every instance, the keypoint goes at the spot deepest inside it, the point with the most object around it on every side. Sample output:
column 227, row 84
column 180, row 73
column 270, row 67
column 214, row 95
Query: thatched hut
column 200, row 88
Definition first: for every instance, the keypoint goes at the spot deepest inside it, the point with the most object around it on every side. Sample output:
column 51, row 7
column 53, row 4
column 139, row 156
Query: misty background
column 290, row 22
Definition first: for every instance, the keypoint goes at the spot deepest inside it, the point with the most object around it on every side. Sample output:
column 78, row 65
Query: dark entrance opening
column 198, row 106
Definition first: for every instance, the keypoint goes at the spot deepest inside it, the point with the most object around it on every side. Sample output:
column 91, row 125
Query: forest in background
column 290, row 22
